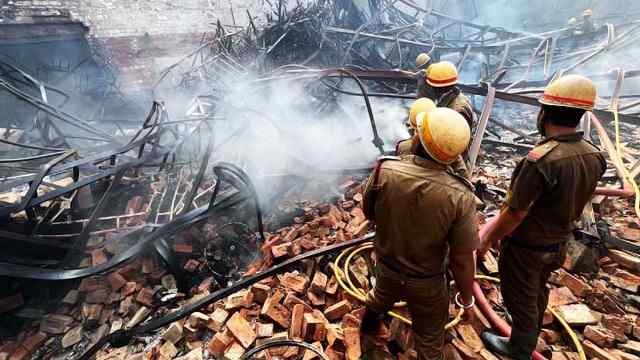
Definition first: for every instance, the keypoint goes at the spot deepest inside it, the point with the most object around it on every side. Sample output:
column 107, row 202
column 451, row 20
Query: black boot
column 496, row 344
column 370, row 320
column 500, row 345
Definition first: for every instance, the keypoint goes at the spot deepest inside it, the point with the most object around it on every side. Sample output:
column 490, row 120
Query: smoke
column 297, row 127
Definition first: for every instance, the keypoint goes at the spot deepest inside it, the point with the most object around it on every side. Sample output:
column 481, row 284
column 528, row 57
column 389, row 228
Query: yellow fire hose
column 630, row 179
column 343, row 278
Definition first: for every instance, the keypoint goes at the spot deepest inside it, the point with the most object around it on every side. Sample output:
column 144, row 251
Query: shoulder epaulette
column 379, row 161
column 594, row 146
column 541, row 150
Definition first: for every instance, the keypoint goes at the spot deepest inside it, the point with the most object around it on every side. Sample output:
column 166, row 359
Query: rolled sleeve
column 463, row 236
column 526, row 186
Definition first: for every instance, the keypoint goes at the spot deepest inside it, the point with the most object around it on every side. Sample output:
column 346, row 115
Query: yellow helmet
column 587, row 13
column 422, row 59
column 574, row 91
column 444, row 134
column 573, row 21
column 442, row 74
column 422, row 105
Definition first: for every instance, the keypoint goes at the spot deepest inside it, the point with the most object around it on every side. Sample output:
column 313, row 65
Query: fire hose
column 343, row 277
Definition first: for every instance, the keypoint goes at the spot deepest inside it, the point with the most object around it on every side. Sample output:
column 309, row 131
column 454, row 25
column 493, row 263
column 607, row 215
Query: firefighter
column 422, row 105
column 422, row 213
column 443, row 78
column 421, row 108
column 549, row 189
column 587, row 22
column 423, row 61
column 573, row 25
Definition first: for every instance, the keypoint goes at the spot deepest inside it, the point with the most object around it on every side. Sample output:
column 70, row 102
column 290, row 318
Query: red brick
column 600, row 336
column 55, row 323
column 191, row 265
column 98, row 257
column 352, row 342
column 243, row 298
column 295, row 325
column 168, row 350
column 183, row 248
column 260, row 292
column 147, row 265
column 129, row 271
column 313, row 327
column 276, row 311
column 316, row 299
column 116, row 281
column 217, row 319
column 292, row 300
column 350, row 320
column 264, row 330
column 90, row 284
column 578, row 287
column 594, row 351
column 241, row 330
column 129, row 288
column 625, row 259
column 234, row 352
column 319, row 282
column 293, row 281
column 335, row 338
column 125, row 306
column 198, row 320
column 20, row 354
column 620, row 326
column 92, row 313
column 280, row 251
column 338, row 310
column 145, row 297
column 332, row 286
column 98, row 296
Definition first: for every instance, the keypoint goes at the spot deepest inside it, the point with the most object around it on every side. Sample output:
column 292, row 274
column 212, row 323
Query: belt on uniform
column 537, row 248
column 391, row 266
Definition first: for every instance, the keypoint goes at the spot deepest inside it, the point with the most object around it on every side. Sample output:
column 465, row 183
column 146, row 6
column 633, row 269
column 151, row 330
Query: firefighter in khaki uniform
column 423, row 212
column 548, row 192
column 420, row 108
column 423, row 61
column 422, row 105
column 442, row 77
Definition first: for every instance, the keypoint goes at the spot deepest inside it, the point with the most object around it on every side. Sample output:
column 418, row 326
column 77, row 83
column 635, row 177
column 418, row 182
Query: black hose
column 31, row 158
column 384, row 95
column 377, row 141
column 239, row 173
column 274, row 343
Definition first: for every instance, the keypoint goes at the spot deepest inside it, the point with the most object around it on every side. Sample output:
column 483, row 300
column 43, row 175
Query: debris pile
column 157, row 257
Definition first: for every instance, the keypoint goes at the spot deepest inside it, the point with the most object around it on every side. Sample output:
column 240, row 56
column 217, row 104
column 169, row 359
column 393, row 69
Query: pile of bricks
column 307, row 304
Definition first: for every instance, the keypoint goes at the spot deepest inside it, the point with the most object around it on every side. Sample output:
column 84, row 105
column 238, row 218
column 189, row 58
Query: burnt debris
column 213, row 223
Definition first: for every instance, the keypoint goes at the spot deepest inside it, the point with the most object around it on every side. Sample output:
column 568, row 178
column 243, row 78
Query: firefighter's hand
column 468, row 305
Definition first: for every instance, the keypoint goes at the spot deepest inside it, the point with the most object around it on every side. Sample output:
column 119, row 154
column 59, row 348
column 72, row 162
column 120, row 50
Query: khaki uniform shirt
column 554, row 183
column 403, row 147
column 424, row 89
column 460, row 104
column 421, row 212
